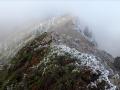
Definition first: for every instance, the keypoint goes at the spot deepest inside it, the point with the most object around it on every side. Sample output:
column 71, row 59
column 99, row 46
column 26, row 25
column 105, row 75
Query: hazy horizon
column 102, row 17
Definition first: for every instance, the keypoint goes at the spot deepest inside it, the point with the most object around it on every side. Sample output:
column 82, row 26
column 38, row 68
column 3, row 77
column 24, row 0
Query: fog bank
column 102, row 17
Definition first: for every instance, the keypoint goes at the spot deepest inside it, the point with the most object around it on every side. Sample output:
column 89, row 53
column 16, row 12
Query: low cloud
column 102, row 17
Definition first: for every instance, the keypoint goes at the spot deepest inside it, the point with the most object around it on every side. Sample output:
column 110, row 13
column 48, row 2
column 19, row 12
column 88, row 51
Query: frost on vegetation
column 10, row 47
column 82, row 60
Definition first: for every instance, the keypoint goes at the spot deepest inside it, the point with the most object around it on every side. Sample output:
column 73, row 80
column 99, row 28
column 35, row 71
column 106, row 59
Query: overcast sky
column 102, row 17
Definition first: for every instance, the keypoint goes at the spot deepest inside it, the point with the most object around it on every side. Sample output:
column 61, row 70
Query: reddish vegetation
column 35, row 87
column 34, row 60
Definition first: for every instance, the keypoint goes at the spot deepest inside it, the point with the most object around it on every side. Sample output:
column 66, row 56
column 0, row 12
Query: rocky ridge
column 59, row 57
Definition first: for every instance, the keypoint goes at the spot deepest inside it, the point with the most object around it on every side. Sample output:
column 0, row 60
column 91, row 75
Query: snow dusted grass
column 13, row 44
column 83, row 60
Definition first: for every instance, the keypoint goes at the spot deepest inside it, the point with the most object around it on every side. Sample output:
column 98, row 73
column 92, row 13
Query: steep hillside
column 41, row 65
column 58, row 55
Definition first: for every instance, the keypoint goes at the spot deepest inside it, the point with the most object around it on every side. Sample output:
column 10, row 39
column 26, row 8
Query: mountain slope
column 59, row 58
column 42, row 66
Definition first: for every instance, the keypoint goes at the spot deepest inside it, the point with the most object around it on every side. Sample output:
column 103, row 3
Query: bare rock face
column 59, row 58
